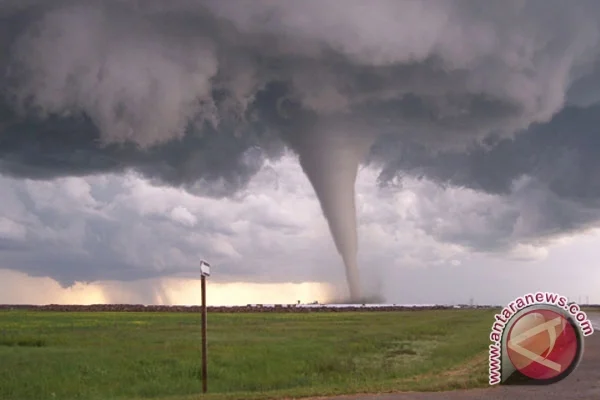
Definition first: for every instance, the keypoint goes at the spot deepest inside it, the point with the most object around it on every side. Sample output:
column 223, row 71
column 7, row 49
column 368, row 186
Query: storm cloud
column 500, row 98
column 100, row 76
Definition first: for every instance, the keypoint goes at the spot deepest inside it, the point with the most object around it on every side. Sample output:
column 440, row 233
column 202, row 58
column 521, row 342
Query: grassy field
column 101, row 356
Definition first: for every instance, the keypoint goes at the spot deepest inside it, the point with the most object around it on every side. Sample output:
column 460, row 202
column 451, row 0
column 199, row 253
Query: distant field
column 112, row 355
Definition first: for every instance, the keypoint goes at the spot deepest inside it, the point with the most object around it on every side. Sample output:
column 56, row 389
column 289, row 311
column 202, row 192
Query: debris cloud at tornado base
column 199, row 94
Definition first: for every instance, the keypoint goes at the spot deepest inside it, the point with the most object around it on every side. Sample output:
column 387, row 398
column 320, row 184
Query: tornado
column 331, row 160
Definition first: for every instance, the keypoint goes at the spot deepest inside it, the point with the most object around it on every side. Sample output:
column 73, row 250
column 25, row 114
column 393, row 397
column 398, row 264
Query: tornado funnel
column 331, row 160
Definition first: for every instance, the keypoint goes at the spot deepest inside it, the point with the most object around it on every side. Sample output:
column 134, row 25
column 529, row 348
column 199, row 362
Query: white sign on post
column 204, row 268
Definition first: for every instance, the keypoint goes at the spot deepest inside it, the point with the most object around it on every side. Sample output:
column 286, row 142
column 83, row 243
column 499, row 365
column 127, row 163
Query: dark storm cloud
column 200, row 93
column 562, row 153
column 54, row 147
column 147, row 73
column 548, row 174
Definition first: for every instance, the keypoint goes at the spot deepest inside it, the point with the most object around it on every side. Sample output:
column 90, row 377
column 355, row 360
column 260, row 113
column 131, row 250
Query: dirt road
column 582, row 384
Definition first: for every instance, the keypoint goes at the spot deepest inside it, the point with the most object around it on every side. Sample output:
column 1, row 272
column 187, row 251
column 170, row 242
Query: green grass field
column 102, row 356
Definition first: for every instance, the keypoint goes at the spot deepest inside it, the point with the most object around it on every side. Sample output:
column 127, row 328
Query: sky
column 137, row 138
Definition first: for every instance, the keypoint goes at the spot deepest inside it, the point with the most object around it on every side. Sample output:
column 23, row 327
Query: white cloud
column 122, row 228
column 527, row 252
column 11, row 230
column 183, row 216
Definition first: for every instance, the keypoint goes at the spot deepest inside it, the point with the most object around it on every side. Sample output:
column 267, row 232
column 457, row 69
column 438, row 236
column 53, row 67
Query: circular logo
column 544, row 344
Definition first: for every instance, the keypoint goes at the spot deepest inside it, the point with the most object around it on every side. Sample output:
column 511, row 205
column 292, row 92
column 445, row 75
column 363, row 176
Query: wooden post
column 204, row 358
